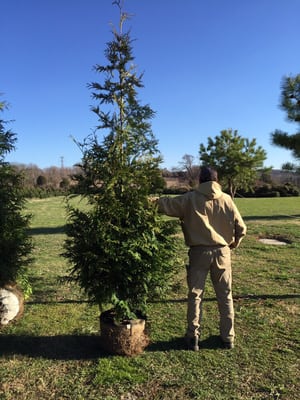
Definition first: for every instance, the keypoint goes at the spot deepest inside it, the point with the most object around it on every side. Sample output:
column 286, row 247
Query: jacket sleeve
column 172, row 206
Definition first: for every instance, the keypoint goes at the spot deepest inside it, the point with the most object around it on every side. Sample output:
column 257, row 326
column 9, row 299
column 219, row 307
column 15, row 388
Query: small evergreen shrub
column 15, row 244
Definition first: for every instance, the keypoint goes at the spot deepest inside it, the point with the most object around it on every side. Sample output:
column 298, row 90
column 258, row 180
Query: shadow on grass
column 266, row 296
column 238, row 297
column 53, row 302
column 41, row 301
column 61, row 347
column 80, row 347
column 213, row 342
column 46, row 230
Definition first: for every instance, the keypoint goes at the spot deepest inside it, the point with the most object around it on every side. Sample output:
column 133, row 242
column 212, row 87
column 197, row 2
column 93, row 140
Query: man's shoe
column 192, row 343
column 228, row 345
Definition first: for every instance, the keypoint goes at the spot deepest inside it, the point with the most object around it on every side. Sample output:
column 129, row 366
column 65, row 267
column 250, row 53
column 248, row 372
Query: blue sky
column 208, row 66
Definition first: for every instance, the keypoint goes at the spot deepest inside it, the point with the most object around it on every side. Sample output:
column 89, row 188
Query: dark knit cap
column 208, row 174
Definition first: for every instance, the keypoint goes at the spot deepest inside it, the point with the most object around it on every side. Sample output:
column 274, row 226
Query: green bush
column 271, row 190
column 41, row 180
column 288, row 190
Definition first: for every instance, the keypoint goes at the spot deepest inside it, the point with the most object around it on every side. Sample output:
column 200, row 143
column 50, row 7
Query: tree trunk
column 11, row 304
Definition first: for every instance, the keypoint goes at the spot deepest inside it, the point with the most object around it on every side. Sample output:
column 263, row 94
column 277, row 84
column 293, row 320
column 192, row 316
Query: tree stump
column 11, row 304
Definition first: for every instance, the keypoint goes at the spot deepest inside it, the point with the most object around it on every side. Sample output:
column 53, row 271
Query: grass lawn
column 53, row 351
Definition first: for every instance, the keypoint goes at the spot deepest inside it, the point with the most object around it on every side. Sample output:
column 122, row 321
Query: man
column 212, row 226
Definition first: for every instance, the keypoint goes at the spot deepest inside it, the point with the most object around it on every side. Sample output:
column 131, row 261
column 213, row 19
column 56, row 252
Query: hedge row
column 268, row 190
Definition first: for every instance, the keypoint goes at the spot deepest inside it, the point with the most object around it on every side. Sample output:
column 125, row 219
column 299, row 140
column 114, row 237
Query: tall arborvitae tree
column 121, row 251
column 290, row 103
column 15, row 244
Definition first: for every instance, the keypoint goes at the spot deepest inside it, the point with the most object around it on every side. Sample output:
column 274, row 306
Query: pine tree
column 290, row 103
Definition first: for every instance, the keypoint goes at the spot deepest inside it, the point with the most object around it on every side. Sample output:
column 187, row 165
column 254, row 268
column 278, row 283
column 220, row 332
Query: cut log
column 11, row 304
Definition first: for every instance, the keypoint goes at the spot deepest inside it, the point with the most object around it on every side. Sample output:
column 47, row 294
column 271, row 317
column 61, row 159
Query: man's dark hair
column 208, row 174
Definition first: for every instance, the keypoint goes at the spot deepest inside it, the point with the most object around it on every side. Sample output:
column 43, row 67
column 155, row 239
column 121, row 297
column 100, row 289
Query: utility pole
column 62, row 165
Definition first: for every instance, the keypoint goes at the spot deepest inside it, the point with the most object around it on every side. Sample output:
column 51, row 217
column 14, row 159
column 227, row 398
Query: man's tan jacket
column 209, row 216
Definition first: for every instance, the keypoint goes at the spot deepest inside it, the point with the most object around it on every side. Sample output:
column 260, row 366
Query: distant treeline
column 52, row 181
column 57, row 181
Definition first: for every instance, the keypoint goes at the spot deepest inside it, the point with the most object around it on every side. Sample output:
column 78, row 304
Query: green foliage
column 41, row 180
column 272, row 190
column 290, row 103
column 15, row 245
column 121, row 251
column 287, row 190
column 290, row 97
column 23, row 282
column 236, row 159
column 64, row 183
column 117, row 259
column 290, row 167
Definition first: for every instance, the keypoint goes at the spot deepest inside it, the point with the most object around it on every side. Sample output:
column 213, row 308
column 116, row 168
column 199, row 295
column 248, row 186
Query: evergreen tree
column 120, row 249
column 41, row 180
column 236, row 159
column 290, row 102
column 15, row 244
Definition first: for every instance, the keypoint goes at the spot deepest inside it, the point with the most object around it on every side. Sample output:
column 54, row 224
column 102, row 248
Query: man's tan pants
column 217, row 261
